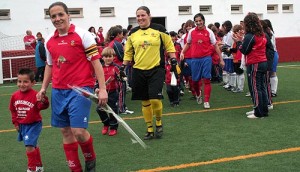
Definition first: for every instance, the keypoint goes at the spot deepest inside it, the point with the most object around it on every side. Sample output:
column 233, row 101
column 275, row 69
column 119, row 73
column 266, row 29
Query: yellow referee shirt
column 146, row 47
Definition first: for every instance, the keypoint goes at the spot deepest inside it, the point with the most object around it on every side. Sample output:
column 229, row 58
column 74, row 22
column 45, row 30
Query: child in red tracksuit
column 26, row 117
column 177, row 54
column 111, row 74
column 173, row 91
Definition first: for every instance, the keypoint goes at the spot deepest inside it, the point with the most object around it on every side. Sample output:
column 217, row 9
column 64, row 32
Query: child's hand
column 40, row 95
column 17, row 127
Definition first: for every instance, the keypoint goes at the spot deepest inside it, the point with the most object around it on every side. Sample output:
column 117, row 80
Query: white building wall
column 29, row 14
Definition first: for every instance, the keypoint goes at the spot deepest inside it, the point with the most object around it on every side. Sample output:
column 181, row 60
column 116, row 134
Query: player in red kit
column 72, row 59
column 200, row 39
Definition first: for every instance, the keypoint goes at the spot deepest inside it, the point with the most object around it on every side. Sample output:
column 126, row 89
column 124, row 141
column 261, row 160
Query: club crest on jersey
column 72, row 43
column 199, row 41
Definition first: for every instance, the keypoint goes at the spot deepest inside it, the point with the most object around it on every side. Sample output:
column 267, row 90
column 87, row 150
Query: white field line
column 288, row 66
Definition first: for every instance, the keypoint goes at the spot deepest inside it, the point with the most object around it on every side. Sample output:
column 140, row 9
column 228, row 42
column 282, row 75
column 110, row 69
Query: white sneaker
column 270, row 107
column 39, row 169
column 181, row 93
column 206, row 105
column 199, row 100
column 252, row 116
column 128, row 112
column 226, row 86
column 248, row 94
column 237, row 90
column 250, row 113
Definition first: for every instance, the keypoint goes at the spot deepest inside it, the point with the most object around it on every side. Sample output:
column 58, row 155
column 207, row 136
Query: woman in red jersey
column 72, row 59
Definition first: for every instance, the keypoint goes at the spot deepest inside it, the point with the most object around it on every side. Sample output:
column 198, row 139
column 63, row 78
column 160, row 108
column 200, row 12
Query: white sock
column 241, row 81
column 274, row 84
column 233, row 79
column 225, row 77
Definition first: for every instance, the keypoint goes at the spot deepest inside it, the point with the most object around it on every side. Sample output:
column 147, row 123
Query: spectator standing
column 40, row 57
column 114, row 38
column 253, row 46
column 239, row 81
column 273, row 75
column 100, row 35
column 93, row 32
column 29, row 41
column 229, row 76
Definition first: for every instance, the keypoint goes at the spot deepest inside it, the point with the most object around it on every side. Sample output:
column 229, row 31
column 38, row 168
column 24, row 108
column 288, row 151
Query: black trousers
column 109, row 119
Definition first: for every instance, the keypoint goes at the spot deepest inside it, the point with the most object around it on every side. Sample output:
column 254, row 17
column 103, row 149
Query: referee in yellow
column 145, row 47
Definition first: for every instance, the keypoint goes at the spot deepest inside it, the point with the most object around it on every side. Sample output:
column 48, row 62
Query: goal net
column 11, row 42
column 13, row 56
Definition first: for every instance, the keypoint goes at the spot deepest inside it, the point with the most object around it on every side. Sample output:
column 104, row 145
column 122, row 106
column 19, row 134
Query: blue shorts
column 228, row 65
column 275, row 61
column 70, row 109
column 200, row 67
column 29, row 133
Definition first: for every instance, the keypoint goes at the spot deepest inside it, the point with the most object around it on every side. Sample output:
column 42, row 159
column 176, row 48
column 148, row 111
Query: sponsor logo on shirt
column 62, row 42
column 145, row 44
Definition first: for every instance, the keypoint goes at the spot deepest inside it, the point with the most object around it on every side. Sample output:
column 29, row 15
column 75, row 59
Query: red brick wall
column 17, row 63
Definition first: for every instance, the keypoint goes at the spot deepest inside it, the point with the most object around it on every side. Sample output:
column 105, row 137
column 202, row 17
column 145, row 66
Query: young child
column 177, row 54
column 238, row 84
column 26, row 117
column 111, row 73
column 173, row 91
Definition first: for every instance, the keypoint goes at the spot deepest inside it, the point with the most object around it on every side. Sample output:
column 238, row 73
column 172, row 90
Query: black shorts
column 147, row 84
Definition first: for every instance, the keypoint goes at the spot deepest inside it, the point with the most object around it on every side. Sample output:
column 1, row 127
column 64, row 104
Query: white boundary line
column 288, row 66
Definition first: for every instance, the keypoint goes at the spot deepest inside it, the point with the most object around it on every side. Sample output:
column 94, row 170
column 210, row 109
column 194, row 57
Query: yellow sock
column 148, row 114
column 157, row 110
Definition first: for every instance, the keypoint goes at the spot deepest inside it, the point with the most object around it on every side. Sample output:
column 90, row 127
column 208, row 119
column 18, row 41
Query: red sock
column 88, row 149
column 31, row 158
column 192, row 87
column 38, row 157
column 196, row 85
column 71, row 152
column 207, row 90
